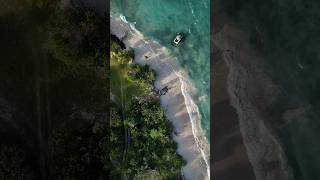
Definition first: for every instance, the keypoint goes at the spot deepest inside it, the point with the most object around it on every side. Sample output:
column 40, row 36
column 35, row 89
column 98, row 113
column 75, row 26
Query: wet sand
column 230, row 160
column 250, row 91
column 180, row 109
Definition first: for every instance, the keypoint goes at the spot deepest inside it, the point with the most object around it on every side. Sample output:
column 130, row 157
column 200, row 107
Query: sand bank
column 250, row 91
column 230, row 160
column 180, row 108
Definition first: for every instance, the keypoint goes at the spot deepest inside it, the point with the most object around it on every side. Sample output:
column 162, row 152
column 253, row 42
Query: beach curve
column 181, row 110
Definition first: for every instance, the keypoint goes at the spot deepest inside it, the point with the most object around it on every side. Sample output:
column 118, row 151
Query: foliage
column 144, row 135
column 80, row 140
column 53, row 68
column 122, row 84
column 80, row 152
column 142, row 73
column 12, row 164
column 55, row 75
column 150, row 135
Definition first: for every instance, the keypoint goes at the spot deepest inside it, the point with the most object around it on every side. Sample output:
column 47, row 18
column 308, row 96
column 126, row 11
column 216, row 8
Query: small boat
column 176, row 41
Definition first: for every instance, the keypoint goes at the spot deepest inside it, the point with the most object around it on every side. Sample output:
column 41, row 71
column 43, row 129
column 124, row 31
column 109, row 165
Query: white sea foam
column 194, row 115
column 186, row 88
column 204, row 4
column 192, row 11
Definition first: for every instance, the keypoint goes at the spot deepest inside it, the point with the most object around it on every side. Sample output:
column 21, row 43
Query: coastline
column 181, row 111
column 250, row 91
column 230, row 154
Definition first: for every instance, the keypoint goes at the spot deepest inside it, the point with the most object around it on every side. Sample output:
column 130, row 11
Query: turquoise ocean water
column 161, row 20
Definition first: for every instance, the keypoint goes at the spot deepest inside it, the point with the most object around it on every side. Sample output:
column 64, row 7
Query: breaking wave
column 186, row 89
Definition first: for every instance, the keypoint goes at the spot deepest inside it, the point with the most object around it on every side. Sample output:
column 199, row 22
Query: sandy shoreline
column 229, row 151
column 180, row 108
column 250, row 91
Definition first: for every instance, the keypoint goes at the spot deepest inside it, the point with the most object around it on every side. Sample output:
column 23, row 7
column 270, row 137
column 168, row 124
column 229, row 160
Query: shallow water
column 161, row 20
column 290, row 52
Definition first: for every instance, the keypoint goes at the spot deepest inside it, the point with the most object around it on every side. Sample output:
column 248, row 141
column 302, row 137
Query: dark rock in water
column 164, row 90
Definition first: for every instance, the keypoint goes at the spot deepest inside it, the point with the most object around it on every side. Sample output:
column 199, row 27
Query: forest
column 54, row 100
column 141, row 136
column 54, row 91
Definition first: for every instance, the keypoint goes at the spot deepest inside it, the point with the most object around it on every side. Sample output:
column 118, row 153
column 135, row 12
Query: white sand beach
column 181, row 111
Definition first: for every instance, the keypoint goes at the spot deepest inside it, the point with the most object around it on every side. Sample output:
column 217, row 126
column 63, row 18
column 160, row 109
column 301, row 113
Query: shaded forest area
column 141, row 135
column 53, row 91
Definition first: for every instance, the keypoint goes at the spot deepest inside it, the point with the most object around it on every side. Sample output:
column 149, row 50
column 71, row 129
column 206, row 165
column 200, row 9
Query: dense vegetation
column 142, row 147
column 54, row 100
column 53, row 91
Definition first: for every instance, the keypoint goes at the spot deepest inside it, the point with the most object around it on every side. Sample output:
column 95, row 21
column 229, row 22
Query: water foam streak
column 192, row 108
